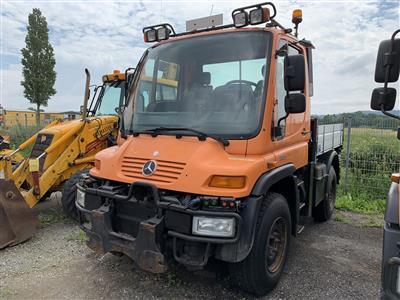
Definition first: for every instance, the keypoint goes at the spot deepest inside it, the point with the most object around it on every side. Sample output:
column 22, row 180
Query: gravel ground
column 333, row 260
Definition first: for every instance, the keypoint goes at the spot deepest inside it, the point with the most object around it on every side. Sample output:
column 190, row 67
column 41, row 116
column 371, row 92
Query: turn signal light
column 396, row 178
column 229, row 182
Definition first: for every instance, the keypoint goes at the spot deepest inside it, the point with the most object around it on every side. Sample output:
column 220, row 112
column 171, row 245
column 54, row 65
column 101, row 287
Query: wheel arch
column 331, row 159
column 281, row 180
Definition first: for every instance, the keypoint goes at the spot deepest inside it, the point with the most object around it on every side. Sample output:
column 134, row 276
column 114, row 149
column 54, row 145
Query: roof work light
column 259, row 14
column 158, row 32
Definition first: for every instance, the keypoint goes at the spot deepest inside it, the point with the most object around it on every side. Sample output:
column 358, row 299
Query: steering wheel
column 239, row 81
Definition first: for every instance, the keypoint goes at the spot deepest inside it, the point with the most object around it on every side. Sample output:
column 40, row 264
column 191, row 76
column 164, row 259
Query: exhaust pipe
column 86, row 95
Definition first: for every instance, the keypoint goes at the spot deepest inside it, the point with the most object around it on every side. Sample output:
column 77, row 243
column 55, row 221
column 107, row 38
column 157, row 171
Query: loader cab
column 109, row 96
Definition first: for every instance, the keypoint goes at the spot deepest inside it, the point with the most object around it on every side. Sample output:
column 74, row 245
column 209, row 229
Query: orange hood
column 184, row 165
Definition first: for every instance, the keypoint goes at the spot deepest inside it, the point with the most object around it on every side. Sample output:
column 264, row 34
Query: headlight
column 220, row 227
column 80, row 197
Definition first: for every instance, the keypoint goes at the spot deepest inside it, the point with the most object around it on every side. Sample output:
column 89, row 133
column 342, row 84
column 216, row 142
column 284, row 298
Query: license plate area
column 127, row 215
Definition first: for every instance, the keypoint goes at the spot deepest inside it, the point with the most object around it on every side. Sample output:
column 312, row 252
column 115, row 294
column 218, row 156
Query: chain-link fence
column 371, row 153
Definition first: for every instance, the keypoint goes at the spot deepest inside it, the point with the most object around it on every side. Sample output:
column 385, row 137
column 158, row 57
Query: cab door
column 289, row 132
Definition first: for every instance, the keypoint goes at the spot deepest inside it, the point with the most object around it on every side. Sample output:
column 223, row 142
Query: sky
column 107, row 35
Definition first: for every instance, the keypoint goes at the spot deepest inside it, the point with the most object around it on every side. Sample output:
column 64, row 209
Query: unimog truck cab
column 220, row 157
column 383, row 99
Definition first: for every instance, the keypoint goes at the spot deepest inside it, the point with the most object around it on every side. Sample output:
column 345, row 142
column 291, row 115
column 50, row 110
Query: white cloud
column 103, row 36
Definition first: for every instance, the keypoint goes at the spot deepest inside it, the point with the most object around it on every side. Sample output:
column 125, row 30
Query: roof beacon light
column 297, row 18
column 258, row 14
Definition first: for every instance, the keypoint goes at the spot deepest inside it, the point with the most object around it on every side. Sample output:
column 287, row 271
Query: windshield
column 211, row 83
column 111, row 96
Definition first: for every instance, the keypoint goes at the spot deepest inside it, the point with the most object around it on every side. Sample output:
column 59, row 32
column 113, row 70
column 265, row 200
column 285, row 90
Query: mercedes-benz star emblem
column 149, row 167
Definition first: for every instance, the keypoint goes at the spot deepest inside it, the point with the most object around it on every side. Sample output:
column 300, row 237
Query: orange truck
column 218, row 156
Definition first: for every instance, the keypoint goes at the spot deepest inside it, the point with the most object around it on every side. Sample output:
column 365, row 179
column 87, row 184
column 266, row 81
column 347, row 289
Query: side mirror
column 294, row 73
column 381, row 97
column 385, row 57
column 81, row 109
column 295, row 103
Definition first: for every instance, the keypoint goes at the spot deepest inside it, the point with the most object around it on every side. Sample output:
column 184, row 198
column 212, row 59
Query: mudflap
column 17, row 223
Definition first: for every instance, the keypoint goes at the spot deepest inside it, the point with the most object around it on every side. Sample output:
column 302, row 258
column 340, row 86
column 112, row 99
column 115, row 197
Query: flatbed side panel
column 330, row 137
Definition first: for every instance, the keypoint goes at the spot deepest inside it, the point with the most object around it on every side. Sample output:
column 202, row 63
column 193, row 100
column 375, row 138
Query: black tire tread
column 244, row 273
column 69, row 194
column 320, row 213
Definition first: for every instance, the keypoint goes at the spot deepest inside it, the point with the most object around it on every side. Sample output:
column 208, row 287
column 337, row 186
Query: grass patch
column 79, row 236
column 360, row 204
column 50, row 217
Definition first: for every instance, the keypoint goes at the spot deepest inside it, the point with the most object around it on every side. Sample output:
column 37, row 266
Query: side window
column 279, row 121
column 280, row 93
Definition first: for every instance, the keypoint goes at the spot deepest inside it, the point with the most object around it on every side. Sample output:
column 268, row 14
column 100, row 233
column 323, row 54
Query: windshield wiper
column 200, row 134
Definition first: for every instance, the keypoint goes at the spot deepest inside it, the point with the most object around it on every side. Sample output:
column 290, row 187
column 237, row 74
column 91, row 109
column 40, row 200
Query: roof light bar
column 259, row 14
column 158, row 32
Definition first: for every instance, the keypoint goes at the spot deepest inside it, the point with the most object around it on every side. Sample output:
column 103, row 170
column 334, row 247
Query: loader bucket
column 17, row 223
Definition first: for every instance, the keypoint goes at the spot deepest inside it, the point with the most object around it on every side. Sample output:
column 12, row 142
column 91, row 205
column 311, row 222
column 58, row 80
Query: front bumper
column 163, row 229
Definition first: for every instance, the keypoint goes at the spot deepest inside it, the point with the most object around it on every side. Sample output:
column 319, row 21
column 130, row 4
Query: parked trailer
column 221, row 164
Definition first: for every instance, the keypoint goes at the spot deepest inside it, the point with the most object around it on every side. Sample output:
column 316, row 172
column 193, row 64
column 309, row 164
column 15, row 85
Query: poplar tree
column 38, row 63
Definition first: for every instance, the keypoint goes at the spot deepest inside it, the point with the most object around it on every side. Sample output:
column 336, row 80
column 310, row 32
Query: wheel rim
column 276, row 245
column 332, row 196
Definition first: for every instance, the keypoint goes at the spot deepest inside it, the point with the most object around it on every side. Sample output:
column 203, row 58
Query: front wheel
column 69, row 195
column 260, row 271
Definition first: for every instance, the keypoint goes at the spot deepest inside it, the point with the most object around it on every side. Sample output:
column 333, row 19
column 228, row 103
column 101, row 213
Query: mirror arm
column 283, row 118
column 389, row 114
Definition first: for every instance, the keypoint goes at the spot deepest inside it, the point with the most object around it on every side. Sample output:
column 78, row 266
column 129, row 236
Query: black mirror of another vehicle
column 295, row 103
column 385, row 57
column 294, row 73
column 383, row 98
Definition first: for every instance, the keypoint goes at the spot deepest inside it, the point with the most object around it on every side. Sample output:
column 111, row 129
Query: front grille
column 166, row 172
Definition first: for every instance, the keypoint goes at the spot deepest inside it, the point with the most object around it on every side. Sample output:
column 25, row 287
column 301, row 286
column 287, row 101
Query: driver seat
column 238, row 95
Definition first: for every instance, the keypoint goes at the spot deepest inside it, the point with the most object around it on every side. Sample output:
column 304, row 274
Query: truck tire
column 260, row 271
column 323, row 212
column 69, row 195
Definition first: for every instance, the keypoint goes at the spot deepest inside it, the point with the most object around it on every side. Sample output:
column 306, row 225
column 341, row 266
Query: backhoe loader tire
column 69, row 195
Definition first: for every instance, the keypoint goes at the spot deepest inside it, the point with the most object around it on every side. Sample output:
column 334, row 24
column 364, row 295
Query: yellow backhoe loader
column 60, row 152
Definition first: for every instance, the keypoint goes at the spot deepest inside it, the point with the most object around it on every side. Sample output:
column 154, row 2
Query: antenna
column 212, row 7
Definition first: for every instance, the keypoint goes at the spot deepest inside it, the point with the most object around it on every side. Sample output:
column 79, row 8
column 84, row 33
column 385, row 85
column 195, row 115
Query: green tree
column 38, row 63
